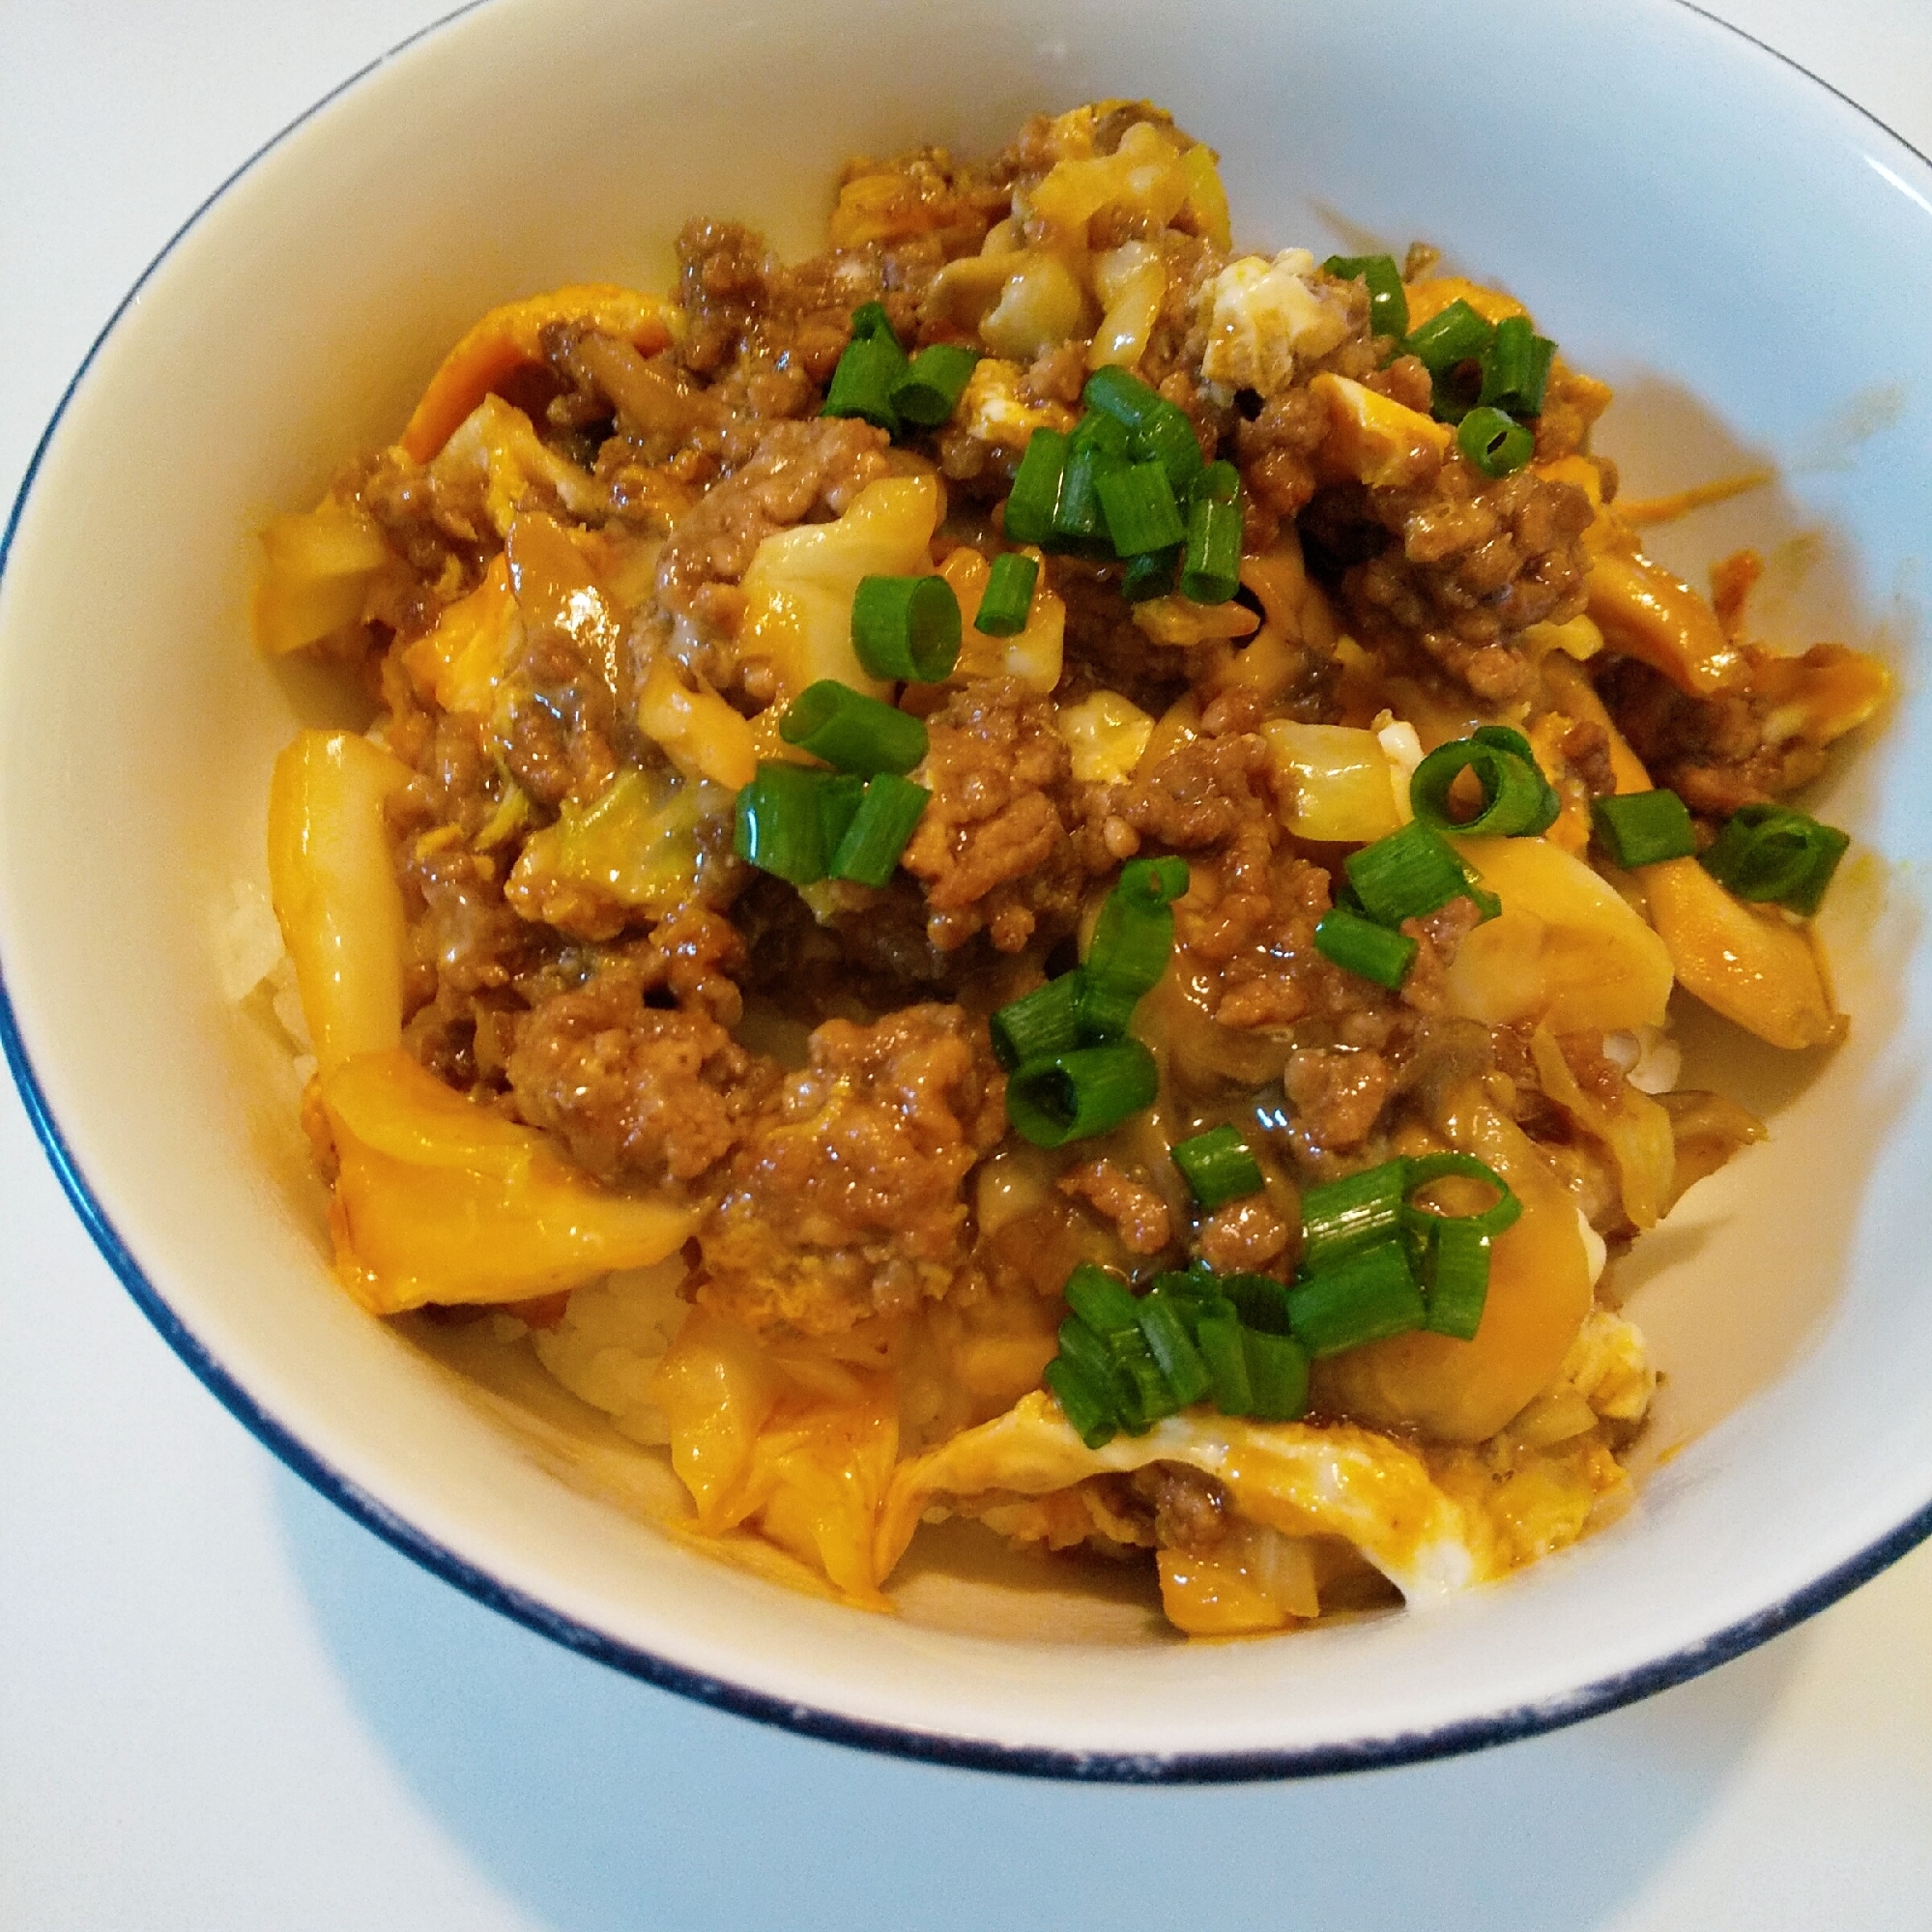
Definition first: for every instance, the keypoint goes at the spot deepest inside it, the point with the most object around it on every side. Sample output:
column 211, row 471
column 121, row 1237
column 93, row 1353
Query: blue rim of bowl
column 762, row 1707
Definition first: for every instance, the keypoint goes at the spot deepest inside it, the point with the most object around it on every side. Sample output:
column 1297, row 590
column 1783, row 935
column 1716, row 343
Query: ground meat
column 1242, row 1237
column 636, row 1092
column 1713, row 752
column 1276, row 450
column 1476, row 564
column 1134, row 1208
column 1199, row 795
column 845, row 1199
column 798, row 471
column 993, row 847
column 1190, row 1508
column 1335, row 1098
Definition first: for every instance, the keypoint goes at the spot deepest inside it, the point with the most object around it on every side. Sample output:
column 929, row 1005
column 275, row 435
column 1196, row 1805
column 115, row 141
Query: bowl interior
column 1687, row 226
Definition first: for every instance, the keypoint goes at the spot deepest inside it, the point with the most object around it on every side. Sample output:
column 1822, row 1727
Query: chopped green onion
column 1168, row 1340
column 1388, row 301
column 1105, row 1009
column 1494, row 444
column 1161, row 880
column 1153, row 574
column 1516, row 799
column 1101, row 1301
column 1219, row 1340
column 1211, row 562
column 1407, row 874
column 1089, row 1414
column 785, row 814
column 1426, row 1169
column 1458, row 1270
column 1133, row 940
column 1218, row 1167
column 1340, row 1218
column 1516, row 367
column 851, row 730
column 871, row 322
column 1644, row 827
column 1360, row 946
column 1140, row 509
column 862, row 384
column 1159, row 430
column 1148, row 1395
column 1220, row 481
column 1488, row 905
column 1035, row 497
column 1122, row 394
column 841, row 794
column 1452, row 336
column 1038, row 1024
column 1771, row 854
column 1091, row 1356
column 887, row 817
column 935, row 380
column 1276, row 1376
column 906, row 627
column 1260, row 1301
column 1368, row 1297
column 1099, row 445
column 1009, row 595
column 1074, row 1096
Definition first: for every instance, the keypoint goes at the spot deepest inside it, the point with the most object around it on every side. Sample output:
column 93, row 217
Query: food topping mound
column 1033, row 871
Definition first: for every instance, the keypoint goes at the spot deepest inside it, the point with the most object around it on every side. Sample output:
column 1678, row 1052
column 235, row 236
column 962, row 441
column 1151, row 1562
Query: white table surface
column 223, row 1705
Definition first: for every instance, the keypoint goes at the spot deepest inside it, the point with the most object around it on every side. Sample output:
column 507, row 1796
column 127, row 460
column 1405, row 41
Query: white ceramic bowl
column 1742, row 252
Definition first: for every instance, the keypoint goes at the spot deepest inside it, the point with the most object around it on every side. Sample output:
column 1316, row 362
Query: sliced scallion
column 1169, row 1341
column 851, row 730
column 1218, row 1167
column 1644, row 827
column 1101, row 1300
column 1149, row 1395
column 1340, row 1218
column 1089, row 1414
column 867, row 373
column 1360, row 946
column 1009, row 595
column 1453, row 335
column 1405, row 875
column 1424, row 1170
column 1388, row 301
column 1260, row 1301
column 1276, row 1376
column 1035, row 497
column 887, row 817
column 1493, row 442
column 1075, row 1095
column 1457, row 1273
column 906, row 627
column 1218, row 1339
column 780, row 824
column 1159, row 430
column 1099, row 447
column 1140, row 509
column 935, row 380
column 1038, row 1024
column 1516, row 799
column 1516, row 367
column 1368, row 1297
column 1211, row 562
column 1774, row 854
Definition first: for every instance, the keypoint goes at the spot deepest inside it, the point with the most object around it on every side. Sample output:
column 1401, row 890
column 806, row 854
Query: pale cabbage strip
column 1335, row 1480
